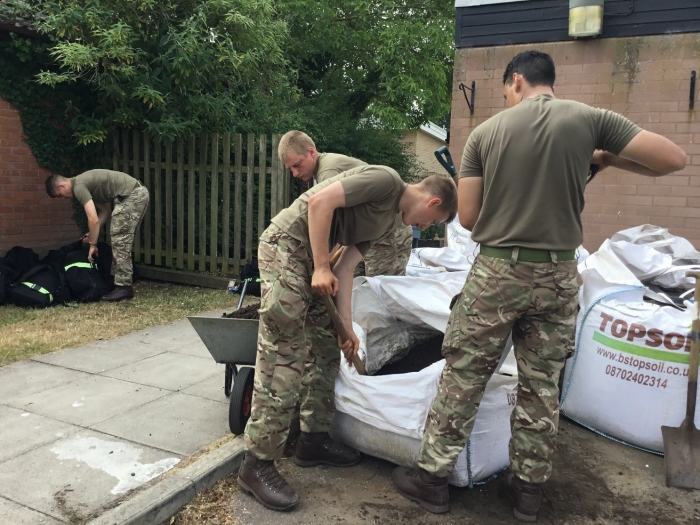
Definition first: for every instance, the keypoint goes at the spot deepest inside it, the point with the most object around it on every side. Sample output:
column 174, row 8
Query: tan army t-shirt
column 372, row 195
column 102, row 186
column 331, row 164
column 535, row 158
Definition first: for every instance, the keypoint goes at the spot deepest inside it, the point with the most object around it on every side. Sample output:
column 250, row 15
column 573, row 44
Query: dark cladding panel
column 548, row 21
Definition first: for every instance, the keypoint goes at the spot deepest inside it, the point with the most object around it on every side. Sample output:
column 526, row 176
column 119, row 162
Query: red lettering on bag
column 636, row 330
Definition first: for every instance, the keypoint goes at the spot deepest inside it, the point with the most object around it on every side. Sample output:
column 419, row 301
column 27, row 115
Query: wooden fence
column 211, row 196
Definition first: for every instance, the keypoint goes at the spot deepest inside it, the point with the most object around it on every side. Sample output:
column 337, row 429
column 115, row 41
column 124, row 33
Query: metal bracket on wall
column 464, row 89
column 691, row 102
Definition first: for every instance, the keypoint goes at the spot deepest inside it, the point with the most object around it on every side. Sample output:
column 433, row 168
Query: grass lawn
column 25, row 332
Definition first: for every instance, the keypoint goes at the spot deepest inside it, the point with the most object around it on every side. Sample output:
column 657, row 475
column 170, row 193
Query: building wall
column 28, row 217
column 495, row 24
column 423, row 145
column 647, row 79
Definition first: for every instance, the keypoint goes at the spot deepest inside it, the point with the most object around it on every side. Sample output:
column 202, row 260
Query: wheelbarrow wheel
column 229, row 375
column 241, row 400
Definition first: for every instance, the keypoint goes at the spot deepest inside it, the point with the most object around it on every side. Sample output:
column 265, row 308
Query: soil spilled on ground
column 249, row 312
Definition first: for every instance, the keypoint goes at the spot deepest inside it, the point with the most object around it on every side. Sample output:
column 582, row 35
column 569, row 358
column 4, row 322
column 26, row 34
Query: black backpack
column 250, row 273
column 16, row 262
column 84, row 279
column 42, row 286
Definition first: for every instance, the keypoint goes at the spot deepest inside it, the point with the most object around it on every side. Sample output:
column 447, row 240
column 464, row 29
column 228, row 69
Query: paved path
column 82, row 427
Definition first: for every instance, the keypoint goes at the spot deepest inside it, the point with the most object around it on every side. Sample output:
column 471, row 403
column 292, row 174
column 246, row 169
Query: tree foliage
column 386, row 59
column 170, row 66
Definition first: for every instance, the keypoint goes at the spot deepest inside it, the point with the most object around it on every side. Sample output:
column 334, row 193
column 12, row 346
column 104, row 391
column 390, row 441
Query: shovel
column 682, row 444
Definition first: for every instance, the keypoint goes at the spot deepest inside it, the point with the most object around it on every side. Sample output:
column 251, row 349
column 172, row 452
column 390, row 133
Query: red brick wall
column 28, row 217
column 647, row 79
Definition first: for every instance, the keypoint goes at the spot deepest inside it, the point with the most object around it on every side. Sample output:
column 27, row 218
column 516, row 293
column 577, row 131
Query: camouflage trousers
column 538, row 302
column 388, row 255
column 126, row 217
column 297, row 356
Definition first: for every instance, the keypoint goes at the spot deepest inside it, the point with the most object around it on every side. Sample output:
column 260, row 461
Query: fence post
column 157, row 182
column 250, row 186
column 180, row 213
column 237, row 205
column 226, row 212
column 273, row 176
column 138, row 177
column 169, row 203
column 262, row 184
column 214, row 220
column 190, row 203
column 203, row 203
column 148, row 247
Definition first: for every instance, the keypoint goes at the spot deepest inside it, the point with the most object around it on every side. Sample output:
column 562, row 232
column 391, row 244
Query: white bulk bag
column 384, row 416
column 628, row 376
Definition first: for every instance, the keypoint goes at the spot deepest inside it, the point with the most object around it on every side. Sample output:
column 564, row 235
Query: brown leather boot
column 119, row 294
column 429, row 491
column 260, row 479
column 525, row 496
column 318, row 448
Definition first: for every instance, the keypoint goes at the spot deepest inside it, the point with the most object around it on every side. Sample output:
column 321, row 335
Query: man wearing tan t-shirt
column 352, row 209
column 105, row 193
column 520, row 189
column 388, row 255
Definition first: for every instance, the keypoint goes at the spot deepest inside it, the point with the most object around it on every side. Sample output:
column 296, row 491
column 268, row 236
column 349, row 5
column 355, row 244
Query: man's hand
column 324, row 282
column 93, row 254
column 349, row 347
column 601, row 159
column 85, row 238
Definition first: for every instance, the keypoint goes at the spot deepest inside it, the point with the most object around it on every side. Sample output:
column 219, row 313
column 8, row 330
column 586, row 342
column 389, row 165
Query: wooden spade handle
column 342, row 332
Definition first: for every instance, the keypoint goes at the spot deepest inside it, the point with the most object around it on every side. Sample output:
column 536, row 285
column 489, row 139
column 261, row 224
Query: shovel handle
column 694, row 354
column 342, row 332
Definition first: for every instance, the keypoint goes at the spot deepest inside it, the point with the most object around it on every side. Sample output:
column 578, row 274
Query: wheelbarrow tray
column 228, row 340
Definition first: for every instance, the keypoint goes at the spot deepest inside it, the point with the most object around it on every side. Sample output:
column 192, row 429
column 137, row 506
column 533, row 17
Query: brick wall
column 423, row 145
column 28, row 217
column 647, row 79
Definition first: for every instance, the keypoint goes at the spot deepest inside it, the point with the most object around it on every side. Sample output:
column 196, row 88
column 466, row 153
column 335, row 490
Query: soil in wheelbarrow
column 249, row 312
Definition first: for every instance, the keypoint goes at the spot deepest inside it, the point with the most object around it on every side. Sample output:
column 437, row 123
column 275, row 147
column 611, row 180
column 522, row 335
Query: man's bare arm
column 343, row 269
column 93, row 221
column 651, row 155
column 470, row 197
column 321, row 208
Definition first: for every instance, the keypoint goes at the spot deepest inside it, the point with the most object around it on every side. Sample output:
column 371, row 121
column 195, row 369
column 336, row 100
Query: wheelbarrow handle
column 342, row 332
column 442, row 154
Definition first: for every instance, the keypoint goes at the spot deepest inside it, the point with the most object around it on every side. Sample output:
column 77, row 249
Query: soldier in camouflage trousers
column 126, row 217
column 389, row 255
column 104, row 193
column 284, row 267
column 521, row 194
column 537, row 301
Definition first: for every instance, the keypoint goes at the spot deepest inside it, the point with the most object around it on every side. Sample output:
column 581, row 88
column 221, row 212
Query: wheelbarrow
column 232, row 342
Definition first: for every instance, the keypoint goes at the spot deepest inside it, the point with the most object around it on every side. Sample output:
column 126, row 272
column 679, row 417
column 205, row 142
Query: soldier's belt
column 528, row 254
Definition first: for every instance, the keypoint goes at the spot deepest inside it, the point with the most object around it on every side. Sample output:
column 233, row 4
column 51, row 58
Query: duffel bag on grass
column 42, row 286
column 84, row 279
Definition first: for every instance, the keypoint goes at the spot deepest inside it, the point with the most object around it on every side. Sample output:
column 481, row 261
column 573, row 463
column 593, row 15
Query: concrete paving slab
column 88, row 401
column 14, row 514
column 29, row 377
column 22, row 431
column 179, row 423
column 211, row 388
column 156, row 504
column 168, row 370
column 100, row 357
column 76, row 477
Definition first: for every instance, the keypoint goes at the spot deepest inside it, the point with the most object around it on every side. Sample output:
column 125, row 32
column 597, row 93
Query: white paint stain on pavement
column 117, row 459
